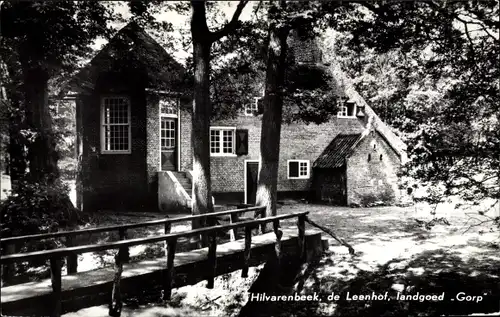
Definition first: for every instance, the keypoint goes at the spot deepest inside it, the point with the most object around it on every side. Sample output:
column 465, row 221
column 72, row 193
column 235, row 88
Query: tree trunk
column 271, row 122
column 17, row 155
column 202, row 110
column 42, row 155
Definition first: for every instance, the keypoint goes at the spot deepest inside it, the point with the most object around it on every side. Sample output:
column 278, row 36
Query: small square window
column 252, row 108
column 298, row 169
column 346, row 109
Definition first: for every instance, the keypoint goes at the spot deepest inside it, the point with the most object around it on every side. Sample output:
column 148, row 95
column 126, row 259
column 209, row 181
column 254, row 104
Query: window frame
column 174, row 138
column 169, row 115
column 221, row 141
column 103, row 125
column 343, row 105
column 307, row 176
column 253, row 107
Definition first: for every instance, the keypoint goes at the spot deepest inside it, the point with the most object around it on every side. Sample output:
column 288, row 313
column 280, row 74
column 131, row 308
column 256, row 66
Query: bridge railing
column 8, row 244
column 55, row 256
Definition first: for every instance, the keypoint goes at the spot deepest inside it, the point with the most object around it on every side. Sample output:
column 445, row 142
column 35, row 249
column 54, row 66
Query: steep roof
column 344, row 84
column 337, row 151
column 133, row 50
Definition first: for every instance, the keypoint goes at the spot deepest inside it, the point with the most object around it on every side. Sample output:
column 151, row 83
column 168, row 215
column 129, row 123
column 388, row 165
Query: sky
column 179, row 22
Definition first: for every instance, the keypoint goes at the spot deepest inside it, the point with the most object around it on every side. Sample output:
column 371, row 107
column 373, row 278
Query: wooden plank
column 168, row 227
column 212, row 259
column 55, row 276
column 20, row 257
column 301, row 224
column 118, row 227
column 247, row 251
column 71, row 259
column 169, row 272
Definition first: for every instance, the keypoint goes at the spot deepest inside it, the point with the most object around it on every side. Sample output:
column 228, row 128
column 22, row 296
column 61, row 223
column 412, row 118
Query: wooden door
column 169, row 146
column 252, row 171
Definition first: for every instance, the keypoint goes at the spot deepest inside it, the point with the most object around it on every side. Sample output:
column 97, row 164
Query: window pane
column 167, row 136
column 116, row 137
column 168, row 106
column 227, row 141
column 214, row 141
column 116, row 124
column 293, row 169
column 303, row 168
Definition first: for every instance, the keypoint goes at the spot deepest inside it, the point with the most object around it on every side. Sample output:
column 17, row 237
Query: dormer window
column 251, row 109
column 347, row 109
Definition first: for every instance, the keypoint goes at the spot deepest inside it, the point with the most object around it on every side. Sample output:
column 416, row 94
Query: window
column 252, row 108
column 343, row 112
column 222, row 141
column 115, row 125
column 169, row 107
column 369, row 157
column 167, row 134
column 381, row 157
column 298, row 169
column 347, row 109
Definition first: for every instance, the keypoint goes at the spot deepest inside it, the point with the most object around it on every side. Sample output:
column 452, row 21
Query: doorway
column 168, row 143
column 251, row 176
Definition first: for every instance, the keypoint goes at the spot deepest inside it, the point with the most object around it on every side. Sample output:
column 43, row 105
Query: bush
column 37, row 207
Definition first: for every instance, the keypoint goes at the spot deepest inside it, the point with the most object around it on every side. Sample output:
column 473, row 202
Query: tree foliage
column 431, row 69
column 41, row 40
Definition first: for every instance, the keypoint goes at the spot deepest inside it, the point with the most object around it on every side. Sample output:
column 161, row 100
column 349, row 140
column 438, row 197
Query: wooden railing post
column 301, row 224
column 55, row 276
column 263, row 226
column 72, row 259
column 234, row 233
column 115, row 308
column 279, row 234
column 9, row 270
column 168, row 228
column 212, row 259
column 246, row 254
column 169, row 272
column 124, row 254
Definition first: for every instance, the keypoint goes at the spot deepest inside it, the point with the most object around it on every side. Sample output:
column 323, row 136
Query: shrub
column 37, row 207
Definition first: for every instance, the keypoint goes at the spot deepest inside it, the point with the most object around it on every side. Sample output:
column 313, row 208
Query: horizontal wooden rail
column 164, row 221
column 21, row 257
column 171, row 240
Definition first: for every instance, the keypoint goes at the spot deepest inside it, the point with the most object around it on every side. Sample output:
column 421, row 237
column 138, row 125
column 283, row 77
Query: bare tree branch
column 217, row 35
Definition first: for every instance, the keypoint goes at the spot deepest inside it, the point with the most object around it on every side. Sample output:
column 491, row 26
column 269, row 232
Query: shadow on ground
column 430, row 272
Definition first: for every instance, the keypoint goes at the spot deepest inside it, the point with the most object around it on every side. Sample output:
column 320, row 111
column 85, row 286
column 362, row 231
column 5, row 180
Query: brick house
column 134, row 139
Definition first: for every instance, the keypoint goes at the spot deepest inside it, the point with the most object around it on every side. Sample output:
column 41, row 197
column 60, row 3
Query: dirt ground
column 394, row 254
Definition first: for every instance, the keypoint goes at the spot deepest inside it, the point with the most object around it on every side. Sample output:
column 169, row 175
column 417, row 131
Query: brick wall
column 186, row 155
column 153, row 146
column 114, row 180
column 375, row 180
column 298, row 141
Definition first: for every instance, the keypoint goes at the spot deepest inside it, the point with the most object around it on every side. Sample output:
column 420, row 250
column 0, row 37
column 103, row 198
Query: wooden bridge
column 74, row 291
